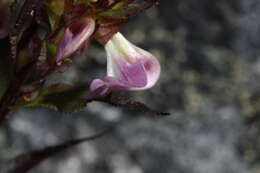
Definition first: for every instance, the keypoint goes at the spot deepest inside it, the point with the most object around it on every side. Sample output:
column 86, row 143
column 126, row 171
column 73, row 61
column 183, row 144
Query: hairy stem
column 12, row 93
column 8, row 100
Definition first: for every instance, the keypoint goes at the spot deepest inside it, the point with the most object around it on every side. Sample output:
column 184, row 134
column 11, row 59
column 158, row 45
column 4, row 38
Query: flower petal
column 98, row 88
column 151, row 67
column 133, row 75
column 130, row 63
column 129, row 68
column 61, row 51
column 75, row 36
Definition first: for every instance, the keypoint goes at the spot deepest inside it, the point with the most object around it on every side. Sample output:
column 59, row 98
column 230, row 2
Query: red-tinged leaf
column 119, row 100
column 111, row 19
column 22, row 16
column 106, row 30
column 25, row 162
column 74, row 10
column 124, row 10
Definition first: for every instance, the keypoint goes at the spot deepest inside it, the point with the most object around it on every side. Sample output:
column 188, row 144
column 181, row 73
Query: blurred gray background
column 210, row 82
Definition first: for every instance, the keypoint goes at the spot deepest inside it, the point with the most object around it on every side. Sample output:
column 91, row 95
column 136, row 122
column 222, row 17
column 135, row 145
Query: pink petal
column 133, row 75
column 151, row 66
column 75, row 36
column 66, row 39
column 98, row 88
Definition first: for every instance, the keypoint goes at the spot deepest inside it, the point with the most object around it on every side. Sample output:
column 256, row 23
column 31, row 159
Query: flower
column 129, row 68
column 75, row 36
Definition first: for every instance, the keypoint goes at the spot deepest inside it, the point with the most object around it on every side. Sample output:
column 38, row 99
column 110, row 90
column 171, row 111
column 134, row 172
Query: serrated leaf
column 122, row 101
column 60, row 97
column 25, row 162
column 111, row 18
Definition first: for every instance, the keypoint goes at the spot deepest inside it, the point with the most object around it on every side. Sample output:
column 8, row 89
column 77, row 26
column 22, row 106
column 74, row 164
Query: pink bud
column 75, row 36
column 128, row 68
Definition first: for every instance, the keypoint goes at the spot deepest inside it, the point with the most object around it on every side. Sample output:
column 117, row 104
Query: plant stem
column 12, row 93
column 8, row 100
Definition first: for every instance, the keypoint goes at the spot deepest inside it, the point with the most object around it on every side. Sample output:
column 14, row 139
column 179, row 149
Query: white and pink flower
column 129, row 68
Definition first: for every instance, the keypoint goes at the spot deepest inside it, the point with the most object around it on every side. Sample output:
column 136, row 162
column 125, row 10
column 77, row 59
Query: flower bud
column 75, row 36
column 128, row 68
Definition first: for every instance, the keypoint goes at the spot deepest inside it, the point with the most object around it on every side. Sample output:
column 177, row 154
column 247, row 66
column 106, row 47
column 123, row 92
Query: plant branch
column 11, row 94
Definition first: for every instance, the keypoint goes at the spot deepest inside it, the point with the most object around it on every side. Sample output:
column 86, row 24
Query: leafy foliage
column 66, row 98
column 60, row 97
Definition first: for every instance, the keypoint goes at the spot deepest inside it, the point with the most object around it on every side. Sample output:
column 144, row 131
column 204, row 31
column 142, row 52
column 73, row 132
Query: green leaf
column 51, row 49
column 60, row 97
column 51, row 52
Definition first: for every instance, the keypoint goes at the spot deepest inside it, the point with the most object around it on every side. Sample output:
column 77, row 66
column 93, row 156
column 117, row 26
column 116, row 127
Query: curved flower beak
column 75, row 36
column 128, row 68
